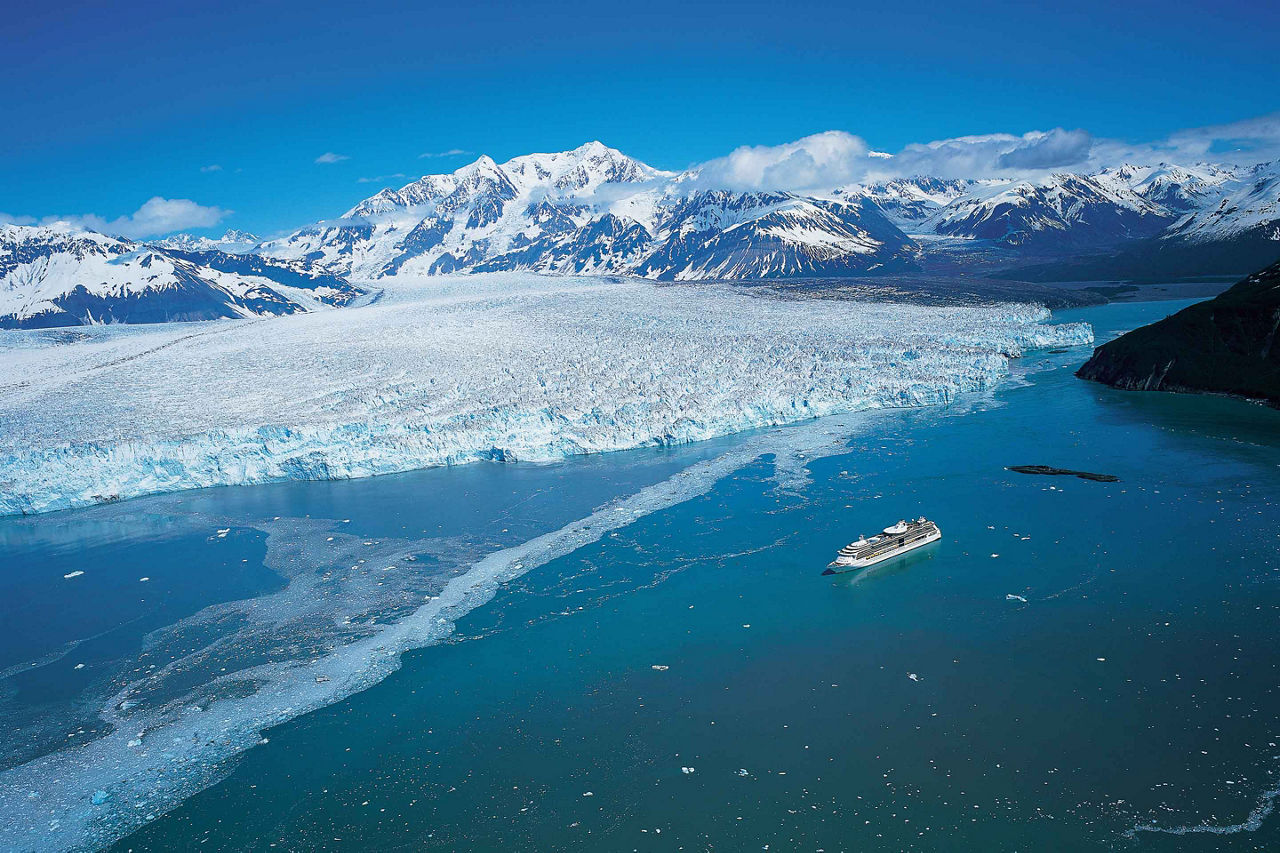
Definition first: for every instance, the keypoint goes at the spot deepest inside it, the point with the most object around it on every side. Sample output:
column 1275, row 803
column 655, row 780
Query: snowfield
column 451, row 370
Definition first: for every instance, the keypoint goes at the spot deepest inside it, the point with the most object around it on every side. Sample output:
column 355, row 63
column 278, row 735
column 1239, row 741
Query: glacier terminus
column 455, row 369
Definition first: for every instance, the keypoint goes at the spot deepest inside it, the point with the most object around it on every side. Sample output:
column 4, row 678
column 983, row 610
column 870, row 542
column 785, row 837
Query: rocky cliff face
column 1227, row 345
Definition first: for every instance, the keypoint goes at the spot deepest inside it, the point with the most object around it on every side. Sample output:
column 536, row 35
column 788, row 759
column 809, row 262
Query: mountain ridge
column 62, row 275
column 594, row 209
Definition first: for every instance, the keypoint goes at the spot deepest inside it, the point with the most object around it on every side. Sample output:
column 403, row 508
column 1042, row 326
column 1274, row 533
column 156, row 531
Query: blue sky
column 110, row 105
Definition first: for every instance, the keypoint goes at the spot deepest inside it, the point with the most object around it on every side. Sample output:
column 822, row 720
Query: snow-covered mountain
column 62, row 275
column 546, row 211
column 910, row 203
column 594, row 209
column 1245, row 204
column 233, row 242
column 1064, row 211
column 725, row 235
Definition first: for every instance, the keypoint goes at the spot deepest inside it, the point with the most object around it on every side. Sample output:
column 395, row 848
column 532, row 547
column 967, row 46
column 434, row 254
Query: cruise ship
column 898, row 539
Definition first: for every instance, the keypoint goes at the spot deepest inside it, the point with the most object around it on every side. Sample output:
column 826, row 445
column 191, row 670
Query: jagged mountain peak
column 550, row 212
column 578, row 170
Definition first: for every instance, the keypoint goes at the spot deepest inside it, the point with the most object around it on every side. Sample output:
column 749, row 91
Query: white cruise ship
column 898, row 539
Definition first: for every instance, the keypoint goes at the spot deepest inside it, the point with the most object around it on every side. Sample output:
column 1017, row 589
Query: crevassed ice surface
column 453, row 370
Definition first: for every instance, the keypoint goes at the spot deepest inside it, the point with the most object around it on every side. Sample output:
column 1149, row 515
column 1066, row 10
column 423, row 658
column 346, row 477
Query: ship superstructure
column 892, row 541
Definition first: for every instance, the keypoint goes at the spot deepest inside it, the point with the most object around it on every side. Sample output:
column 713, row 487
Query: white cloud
column 380, row 178
column 8, row 219
column 330, row 157
column 835, row 158
column 214, row 167
column 993, row 155
column 452, row 152
column 157, row 216
column 1055, row 149
column 1253, row 140
column 823, row 160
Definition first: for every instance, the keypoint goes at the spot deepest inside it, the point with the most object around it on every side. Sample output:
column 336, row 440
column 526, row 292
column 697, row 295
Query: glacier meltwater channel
column 454, row 370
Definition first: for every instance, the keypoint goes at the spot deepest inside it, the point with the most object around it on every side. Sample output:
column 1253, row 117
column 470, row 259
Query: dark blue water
column 917, row 706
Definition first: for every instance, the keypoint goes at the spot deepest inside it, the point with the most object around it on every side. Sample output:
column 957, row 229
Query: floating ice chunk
column 913, row 676
column 74, row 574
column 79, row 666
column 99, row 797
column 660, row 667
column 742, row 771
column 222, row 534
column 686, row 770
column 143, row 580
column 1012, row 597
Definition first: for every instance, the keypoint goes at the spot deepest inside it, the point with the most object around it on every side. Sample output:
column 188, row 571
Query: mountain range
column 595, row 210
column 61, row 275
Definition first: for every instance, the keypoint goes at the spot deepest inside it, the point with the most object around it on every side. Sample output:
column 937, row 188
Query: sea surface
column 655, row 661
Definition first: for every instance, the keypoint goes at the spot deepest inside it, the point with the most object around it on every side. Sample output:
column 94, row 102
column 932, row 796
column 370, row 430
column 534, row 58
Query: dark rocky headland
column 1226, row 345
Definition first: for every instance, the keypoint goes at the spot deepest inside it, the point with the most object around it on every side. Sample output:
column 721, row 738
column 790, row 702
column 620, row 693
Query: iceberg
column 450, row 370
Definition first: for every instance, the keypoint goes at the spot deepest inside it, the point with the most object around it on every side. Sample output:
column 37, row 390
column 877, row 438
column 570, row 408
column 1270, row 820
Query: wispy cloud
column 452, row 152
column 380, row 179
column 213, row 167
column 330, row 157
column 1253, row 140
column 155, row 217
column 836, row 158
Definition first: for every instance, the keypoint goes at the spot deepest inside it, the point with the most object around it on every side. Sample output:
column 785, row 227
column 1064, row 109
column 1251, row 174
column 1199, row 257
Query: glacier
column 451, row 370
column 438, row 371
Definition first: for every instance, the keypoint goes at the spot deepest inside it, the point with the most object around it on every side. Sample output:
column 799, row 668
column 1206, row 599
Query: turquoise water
column 917, row 706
